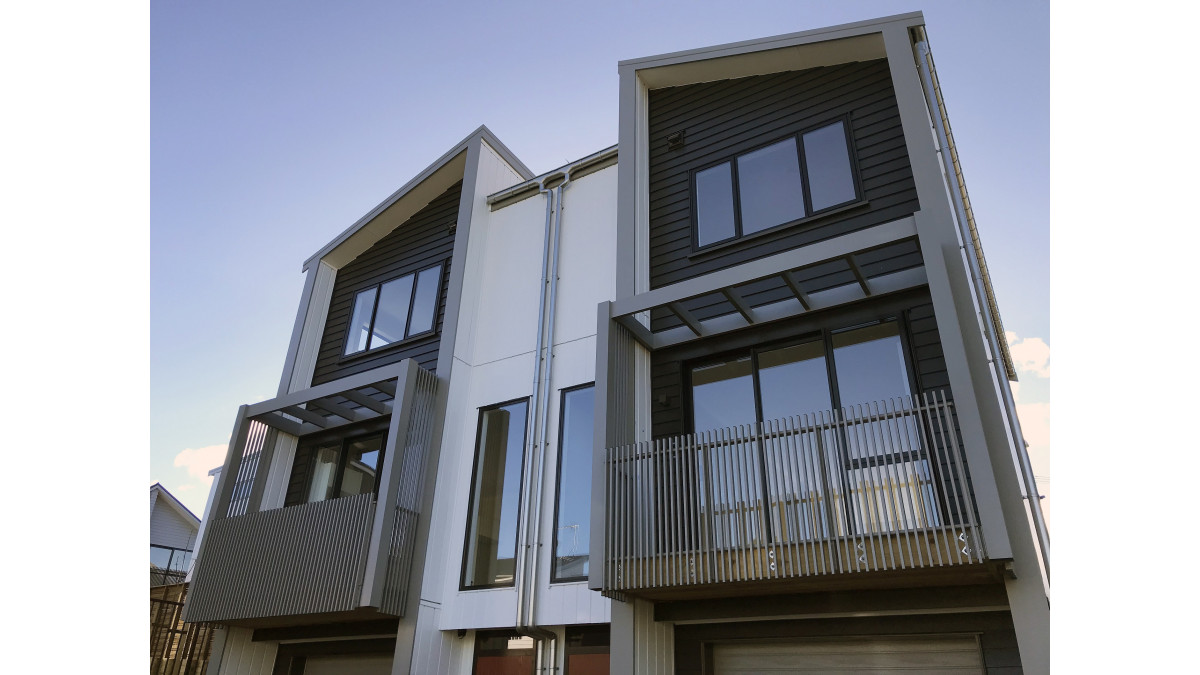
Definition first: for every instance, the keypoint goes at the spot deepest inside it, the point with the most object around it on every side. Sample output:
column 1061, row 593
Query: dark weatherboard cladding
column 424, row 240
column 721, row 120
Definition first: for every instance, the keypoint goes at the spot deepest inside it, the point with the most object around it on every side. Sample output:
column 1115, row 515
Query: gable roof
column 172, row 501
column 452, row 162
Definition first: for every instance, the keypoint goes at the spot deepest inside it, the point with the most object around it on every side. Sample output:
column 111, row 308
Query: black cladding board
column 424, row 240
column 725, row 118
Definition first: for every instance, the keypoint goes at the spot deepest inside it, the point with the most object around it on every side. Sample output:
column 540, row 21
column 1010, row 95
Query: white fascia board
column 860, row 41
column 409, row 199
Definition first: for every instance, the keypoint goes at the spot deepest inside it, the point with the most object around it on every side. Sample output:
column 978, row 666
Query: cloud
column 1031, row 355
column 199, row 461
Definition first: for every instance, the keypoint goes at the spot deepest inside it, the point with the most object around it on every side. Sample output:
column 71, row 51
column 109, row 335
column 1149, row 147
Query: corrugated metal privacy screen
column 298, row 560
column 408, row 498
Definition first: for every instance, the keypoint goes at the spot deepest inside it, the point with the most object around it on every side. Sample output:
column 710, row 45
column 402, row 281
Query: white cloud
column 199, row 461
column 1031, row 355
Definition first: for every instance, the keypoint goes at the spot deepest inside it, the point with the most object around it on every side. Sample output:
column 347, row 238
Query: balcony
column 873, row 494
column 339, row 559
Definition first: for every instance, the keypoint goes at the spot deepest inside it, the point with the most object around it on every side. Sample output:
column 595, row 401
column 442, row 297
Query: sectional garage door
column 885, row 655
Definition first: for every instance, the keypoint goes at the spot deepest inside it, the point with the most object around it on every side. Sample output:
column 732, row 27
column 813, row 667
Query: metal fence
column 878, row 486
column 176, row 648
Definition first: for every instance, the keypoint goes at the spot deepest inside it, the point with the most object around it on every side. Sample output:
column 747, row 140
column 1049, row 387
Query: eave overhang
column 410, row 198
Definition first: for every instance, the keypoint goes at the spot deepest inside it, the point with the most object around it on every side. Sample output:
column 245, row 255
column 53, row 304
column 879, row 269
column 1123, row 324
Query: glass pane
column 769, row 186
column 722, row 395
column 425, row 303
column 492, row 527
column 362, row 463
column 793, row 380
column 870, row 363
column 870, row 369
column 181, row 560
column 324, row 472
column 714, row 204
column 394, row 297
column 503, row 653
column 360, row 321
column 160, row 557
column 827, row 159
column 574, row 486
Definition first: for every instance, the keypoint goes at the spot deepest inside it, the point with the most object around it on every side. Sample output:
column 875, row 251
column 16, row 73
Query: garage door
column 943, row 655
column 348, row 665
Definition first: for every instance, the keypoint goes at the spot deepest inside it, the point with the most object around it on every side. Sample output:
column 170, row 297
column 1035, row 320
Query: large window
column 345, row 467
column 784, row 182
column 867, row 365
column 394, row 311
column 573, row 511
column 849, row 371
column 491, row 545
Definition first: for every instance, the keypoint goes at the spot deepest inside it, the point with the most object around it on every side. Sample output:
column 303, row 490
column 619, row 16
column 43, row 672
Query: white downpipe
column 989, row 329
column 529, row 534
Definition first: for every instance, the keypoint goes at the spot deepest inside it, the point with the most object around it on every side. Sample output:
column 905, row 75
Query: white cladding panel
column 241, row 656
column 169, row 528
column 494, row 362
column 587, row 254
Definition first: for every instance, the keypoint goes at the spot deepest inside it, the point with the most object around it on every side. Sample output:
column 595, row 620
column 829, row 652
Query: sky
column 276, row 125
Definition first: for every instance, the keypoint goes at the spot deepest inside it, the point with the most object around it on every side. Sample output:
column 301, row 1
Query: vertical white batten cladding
column 241, row 656
column 435, row 650
column 494, row 356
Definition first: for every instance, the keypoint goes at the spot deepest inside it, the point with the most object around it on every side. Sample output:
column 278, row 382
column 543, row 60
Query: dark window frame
column 809, row 214
column 476, row 652
column 825, row 335
column 562, row 400
column 412, row 294
column 342, row 460
column 585, row 634
column 462, row 578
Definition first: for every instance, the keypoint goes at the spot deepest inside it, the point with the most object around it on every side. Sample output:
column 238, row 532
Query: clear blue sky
column 276, row 125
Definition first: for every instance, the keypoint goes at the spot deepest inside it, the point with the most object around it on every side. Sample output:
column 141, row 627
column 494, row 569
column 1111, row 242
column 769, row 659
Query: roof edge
column 767, row 43
column 481, row 133
column 174, row 501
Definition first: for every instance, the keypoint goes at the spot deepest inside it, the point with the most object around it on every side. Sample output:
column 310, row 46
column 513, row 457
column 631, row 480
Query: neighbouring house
column 727, row 396
column 173, row 534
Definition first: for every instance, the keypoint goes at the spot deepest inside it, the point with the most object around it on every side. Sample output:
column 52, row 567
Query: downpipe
column 1018, row 440
column 530, row 534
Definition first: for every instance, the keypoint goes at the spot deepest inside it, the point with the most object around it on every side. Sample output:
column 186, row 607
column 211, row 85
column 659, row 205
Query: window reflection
column 770, row 189
column 492, row 526
column 574, row 485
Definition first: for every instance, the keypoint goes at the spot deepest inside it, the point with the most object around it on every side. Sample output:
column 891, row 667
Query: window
column 394, row 311
column 586, row 650
column 491, row 545
column 867, row 364
column 573, row 511
column 836, row 369
column 504, row 652
column 344, row 468
column 784, row 182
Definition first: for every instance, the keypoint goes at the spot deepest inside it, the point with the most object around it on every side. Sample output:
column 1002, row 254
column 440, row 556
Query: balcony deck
column 335, row 560
column 875, row 494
